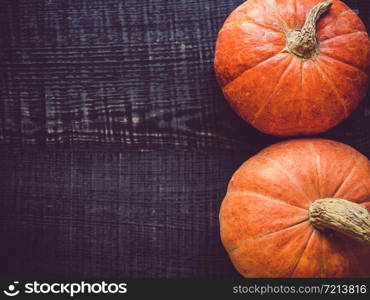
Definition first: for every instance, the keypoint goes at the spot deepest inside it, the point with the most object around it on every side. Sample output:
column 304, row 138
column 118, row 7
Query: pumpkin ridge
column 301, row 111
column 317, row 167
column 248, row 69
column 244, row 242
column 260, row 110
column 265, row 197
column 334, row 88
column 337, row 16
column 282, row 169
column 237, row 221
column 358, row 160
column 303, row 251
column 277, row 14
column 248, row 19
column 343, row 62
column 323, row 41
column 295, row 13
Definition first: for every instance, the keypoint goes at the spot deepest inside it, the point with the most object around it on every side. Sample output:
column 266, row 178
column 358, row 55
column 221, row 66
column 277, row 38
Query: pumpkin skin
column 264, row 221
column 280, row 93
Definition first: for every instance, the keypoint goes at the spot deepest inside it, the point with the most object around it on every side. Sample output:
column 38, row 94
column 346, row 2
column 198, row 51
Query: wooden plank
column 113, row 214
column 137, row 74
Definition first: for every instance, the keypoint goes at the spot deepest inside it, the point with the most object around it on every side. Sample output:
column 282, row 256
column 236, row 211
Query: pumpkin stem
column 346, row 217
column 303, row 43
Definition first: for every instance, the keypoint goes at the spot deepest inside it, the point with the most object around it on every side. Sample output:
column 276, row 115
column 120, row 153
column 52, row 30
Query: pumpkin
column 299, row 208
column 293, row 67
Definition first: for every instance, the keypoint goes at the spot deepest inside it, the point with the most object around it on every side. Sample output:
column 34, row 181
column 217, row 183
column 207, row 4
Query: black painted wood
column 116, row 143
column 113, row 214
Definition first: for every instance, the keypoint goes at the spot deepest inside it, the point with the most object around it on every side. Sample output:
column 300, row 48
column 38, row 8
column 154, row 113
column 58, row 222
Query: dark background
column 116, row 144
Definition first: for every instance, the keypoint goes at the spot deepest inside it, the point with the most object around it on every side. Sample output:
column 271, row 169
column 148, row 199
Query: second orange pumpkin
column 299, row 208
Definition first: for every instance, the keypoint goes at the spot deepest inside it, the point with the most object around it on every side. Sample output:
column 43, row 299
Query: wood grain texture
column 130, row 73
column 113, row 214
column 116, row 143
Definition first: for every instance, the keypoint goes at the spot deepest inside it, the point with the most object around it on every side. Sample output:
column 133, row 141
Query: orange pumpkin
column 299, row 209
column 293, row 67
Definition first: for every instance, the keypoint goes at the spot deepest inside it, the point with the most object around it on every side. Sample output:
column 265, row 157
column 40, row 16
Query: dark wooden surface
column 116, row 144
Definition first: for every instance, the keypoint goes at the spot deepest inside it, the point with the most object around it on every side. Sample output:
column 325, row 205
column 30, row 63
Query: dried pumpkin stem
column 303, row 43
column 346, row 217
